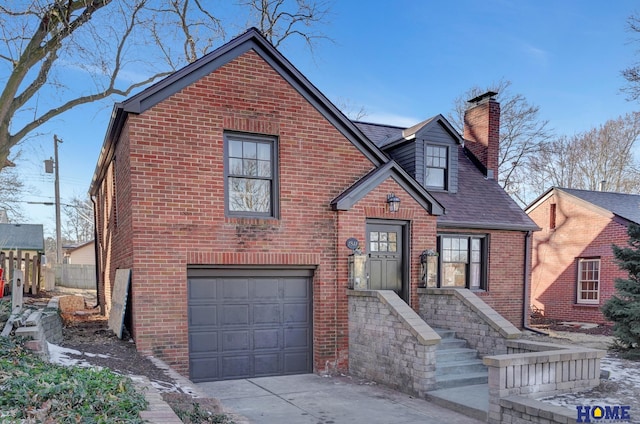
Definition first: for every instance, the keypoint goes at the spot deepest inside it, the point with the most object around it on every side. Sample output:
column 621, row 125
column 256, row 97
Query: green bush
column 623, row 308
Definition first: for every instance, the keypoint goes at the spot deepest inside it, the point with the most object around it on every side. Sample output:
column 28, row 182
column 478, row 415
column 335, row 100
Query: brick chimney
column 482, row 131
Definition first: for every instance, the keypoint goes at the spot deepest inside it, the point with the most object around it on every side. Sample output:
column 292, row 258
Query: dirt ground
column 94, row 337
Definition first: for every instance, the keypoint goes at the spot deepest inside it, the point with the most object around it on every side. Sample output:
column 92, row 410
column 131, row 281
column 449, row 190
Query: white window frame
column 580, row 280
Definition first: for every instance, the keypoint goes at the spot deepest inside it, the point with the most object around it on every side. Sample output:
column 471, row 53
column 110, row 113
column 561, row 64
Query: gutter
column 95, row 252
column 525, row 291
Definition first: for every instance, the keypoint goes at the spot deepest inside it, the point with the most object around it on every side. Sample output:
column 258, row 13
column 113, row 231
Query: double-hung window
column 250, row 172
column 463, row 261
column 436, row 164
column 588, row 281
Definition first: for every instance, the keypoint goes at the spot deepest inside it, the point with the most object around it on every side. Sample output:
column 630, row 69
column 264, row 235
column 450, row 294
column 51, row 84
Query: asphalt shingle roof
column 479, row 203
column 626, row 206
column 22, row 236
column 381, row 135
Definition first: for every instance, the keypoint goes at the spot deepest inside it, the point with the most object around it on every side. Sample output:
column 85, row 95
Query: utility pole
column 49, row 166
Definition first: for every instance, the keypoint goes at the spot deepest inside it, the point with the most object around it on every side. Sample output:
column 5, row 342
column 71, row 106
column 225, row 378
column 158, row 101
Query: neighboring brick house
column 573, row 267
column 230, row 189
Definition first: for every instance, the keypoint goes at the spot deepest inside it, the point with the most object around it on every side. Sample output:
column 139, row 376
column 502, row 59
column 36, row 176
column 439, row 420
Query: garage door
column 249, row 323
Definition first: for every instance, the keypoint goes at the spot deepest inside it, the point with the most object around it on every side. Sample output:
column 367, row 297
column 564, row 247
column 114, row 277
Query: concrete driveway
column 312, row 399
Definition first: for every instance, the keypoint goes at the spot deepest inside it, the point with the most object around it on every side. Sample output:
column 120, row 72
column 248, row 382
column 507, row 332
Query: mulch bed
column 541, row 323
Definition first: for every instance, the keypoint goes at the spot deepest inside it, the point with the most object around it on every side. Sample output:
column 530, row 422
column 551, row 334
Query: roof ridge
column 377, row 124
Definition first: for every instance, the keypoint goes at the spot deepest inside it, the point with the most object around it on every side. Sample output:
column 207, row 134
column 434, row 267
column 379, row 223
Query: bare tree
column 632, row 73
column 78, row 225
column 278, row 20
column 586, row 159
column 39, row 44
column 59, row 54
column 351, row 110
column 522, row 134
column 11, row 192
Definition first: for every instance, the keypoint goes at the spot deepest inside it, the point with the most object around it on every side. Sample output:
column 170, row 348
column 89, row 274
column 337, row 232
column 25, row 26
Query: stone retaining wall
column 51, row 322
column 389, row 343
column 469, row 316
column 518, row 409
column 539, row 370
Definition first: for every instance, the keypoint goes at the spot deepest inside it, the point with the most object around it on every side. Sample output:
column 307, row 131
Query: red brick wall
column 176, row 200
column 352, row 223
column 581, row 231
column 505, row 275
column 114, row 221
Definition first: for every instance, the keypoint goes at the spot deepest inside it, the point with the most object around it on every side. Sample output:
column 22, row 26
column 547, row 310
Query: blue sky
column 404, row 61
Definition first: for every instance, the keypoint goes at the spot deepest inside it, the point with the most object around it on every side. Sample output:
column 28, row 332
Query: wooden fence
column 30, row 264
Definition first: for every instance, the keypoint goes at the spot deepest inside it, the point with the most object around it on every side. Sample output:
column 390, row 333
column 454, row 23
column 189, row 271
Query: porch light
column 394, row 202
column 429, row 268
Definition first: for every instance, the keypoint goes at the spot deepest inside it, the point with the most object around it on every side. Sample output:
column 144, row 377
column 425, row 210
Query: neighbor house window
column 552, row 216
column 463, row 261
column 436, row 166
column 250, row 175
column 589, row 280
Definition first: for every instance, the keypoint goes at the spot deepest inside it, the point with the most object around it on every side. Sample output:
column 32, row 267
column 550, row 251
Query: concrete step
column 458, row 380
column 472, row 401
column 455, row 355
column 450, row 343
column 444, row 333
column 461, row 367
column 34, row 332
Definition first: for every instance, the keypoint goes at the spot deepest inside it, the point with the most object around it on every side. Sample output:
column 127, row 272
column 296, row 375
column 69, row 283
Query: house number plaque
column 352, row 243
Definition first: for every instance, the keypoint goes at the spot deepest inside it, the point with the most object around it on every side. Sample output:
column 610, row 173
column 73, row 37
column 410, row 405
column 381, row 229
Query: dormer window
column 436, row 160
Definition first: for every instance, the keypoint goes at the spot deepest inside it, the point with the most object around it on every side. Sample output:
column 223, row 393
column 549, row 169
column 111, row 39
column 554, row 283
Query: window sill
column 587, row 305
column 252, row 220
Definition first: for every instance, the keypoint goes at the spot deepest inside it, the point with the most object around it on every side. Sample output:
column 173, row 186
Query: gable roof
column 250, row 40
column 357, row 191
column 388, row 136
column 22, row 237
column 626, row 206
column 479, row 203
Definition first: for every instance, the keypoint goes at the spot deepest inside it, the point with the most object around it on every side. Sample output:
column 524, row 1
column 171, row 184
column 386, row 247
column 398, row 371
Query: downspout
column 95, row 252
column 527, row 269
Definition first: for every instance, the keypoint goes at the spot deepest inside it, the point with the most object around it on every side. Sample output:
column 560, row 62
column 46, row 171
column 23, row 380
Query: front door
column 385, row 243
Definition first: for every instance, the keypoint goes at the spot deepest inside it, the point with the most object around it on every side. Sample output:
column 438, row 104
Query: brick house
column 573, row 267
column 230, row 187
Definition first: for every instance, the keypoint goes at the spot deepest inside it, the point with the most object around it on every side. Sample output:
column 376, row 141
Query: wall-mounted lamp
column 429, row 268
column 393, row 202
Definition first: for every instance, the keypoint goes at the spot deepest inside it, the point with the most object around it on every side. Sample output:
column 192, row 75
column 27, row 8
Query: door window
column 383, row 241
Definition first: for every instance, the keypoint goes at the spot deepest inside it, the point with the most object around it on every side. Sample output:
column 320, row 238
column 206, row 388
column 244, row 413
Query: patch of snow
column 62, row 356
column 95, row 355
column 620, row 389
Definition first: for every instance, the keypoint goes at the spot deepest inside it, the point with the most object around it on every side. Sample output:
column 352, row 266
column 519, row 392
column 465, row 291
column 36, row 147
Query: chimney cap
column 483, row 97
